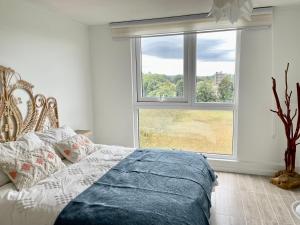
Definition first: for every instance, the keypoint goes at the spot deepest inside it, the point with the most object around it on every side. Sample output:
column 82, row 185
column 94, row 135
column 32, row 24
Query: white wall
column 111, row 68
column 286, row 45
column 51, row 52
column 260, row 139
column 255, row 121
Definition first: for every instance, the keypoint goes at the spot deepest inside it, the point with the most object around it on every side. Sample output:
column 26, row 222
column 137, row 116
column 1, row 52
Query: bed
column 112, row 185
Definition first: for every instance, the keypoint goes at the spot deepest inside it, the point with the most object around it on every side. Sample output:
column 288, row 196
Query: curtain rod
column 256, row 11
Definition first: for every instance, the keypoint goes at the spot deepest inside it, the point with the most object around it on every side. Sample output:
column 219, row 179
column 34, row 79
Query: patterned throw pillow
column 25, row 167
column 30, row 140
column 76, row 148
column 53, row 135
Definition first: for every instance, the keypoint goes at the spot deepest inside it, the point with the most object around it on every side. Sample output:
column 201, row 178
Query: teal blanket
column 149, row 187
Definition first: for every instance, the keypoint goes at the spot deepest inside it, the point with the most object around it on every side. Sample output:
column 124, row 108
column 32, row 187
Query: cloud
column 214, row 50
column 171, row 47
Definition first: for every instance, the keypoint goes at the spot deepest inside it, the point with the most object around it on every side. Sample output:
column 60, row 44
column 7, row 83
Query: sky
column 215, row 53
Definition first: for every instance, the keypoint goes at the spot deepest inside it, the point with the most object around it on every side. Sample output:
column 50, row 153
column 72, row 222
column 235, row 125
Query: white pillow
column 53, row 135
column 31, row 139
column 26, row 167
column 3, row 179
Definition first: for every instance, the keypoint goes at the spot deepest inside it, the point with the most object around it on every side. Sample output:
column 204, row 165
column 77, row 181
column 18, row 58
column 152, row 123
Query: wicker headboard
column 20, row 110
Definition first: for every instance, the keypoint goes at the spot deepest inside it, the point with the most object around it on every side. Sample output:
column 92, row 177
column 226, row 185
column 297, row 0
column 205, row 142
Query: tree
column 205, row 91
column 292, row 133
column 175, row 78
column 165, row 89
column 152, row 82
column 225, row 89
column 179, row 87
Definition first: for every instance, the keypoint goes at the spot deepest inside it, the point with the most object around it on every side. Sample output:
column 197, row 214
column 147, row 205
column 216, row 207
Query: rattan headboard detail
column 17, row 117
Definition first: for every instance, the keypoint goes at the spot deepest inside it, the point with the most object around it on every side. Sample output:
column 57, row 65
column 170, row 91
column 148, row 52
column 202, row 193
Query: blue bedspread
column 149, row 187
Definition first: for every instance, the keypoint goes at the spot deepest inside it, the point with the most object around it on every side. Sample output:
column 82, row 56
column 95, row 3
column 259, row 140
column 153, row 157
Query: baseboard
column 235, row 166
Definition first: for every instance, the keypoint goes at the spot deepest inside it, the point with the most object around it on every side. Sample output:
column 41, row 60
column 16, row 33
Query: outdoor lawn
column 191, row 130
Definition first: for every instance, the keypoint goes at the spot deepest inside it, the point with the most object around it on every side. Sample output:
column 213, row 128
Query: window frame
column 189, row 101
column 138, row 58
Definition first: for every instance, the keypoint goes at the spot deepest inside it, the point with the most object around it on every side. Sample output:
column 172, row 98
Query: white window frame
column 189, row 101
column 138, row 58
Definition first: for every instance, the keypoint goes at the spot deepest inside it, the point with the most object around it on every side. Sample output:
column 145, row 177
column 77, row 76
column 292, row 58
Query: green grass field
column 192, row 130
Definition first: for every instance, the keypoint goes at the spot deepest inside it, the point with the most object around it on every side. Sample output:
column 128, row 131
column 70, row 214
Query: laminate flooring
column 251, row 200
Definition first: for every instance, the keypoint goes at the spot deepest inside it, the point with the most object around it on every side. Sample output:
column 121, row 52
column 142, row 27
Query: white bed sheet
column 41, row 204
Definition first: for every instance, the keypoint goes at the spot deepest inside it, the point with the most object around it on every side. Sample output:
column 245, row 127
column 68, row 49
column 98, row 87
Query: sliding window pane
column 192, row 130
column 162, row 66
column 215, row 66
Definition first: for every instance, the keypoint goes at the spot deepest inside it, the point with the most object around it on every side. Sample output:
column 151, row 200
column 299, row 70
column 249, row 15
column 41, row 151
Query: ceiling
column 93, row 12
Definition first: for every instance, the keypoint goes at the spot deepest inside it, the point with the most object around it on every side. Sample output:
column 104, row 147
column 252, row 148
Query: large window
column 185, row 91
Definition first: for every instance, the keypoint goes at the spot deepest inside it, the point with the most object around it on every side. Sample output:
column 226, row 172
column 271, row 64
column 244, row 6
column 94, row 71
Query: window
column 162, row 76
column 185, row 91
column 215, row 66
column 207, row 131
column 162, row 67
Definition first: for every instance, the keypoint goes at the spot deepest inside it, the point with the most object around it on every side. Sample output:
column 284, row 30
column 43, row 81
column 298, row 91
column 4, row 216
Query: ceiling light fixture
column 232, row 9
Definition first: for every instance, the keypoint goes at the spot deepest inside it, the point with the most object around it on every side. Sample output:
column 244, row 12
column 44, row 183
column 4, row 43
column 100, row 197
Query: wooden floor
column 251, row 200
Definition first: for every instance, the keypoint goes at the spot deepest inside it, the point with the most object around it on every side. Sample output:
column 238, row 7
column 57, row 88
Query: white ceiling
column 104, row 11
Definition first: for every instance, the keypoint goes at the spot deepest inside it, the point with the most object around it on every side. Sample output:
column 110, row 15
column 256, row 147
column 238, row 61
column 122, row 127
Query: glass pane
column 162, row 66
column 215, row 66
column 192, row 130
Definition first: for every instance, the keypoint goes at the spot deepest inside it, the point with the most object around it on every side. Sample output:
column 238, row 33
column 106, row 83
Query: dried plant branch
column 297, row 131
column 279, row 109
column 287, row 120
column 295, row 114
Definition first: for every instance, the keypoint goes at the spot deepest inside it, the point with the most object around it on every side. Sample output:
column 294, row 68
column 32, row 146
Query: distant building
column 219, row 76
